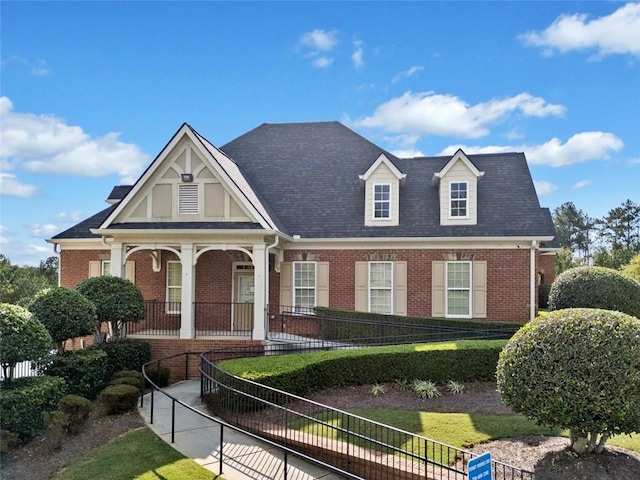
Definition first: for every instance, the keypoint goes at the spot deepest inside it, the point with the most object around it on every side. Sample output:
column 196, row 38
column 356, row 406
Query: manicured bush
column 22, row 337
column 65, row 313
column 577, row 369
column 23, row 400
column 127, row 373
column 117, row 300
column 86, row 371
column 56, row 423
column 120, row 398
column 77, row 409
column 159, row 376
column 595, row 287
column 125, row 354
column 133, row 381
column 462, row 361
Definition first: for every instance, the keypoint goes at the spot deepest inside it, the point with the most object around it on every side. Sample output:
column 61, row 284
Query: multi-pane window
column 174, row 287
column 304, row 286
column 105, row 268
column 382, row 201
column 188, row 198
column 459, row 196
column 459, row 289
column 380, row 287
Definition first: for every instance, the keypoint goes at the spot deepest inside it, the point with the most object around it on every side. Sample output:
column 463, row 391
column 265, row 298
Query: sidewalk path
column 199, row 439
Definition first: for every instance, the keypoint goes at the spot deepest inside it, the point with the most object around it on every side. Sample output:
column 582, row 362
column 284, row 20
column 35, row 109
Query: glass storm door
column 243, row 306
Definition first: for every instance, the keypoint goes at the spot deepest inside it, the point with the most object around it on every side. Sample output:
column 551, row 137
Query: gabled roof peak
column 458, row 156
column 383, row 159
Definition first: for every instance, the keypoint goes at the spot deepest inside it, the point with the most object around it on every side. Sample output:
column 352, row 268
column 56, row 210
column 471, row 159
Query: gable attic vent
column 188, row 199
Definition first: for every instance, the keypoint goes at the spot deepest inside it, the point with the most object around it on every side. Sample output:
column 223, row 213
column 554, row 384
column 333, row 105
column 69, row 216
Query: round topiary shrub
column 120, row 398
column 77, row 409
column 65, row 313
column 577, row 369
column 595, row 287
column 22, row 337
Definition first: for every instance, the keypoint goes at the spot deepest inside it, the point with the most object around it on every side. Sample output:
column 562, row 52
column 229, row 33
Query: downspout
column 533, row 280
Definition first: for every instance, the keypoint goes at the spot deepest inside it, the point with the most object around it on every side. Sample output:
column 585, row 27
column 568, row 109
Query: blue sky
column 92, row 91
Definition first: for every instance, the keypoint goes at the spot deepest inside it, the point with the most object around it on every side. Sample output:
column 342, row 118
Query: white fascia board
column 382, row 158
column 459, row 155
column 142, row 181
column 248, row 198
column 79, row 243
column 415, row 243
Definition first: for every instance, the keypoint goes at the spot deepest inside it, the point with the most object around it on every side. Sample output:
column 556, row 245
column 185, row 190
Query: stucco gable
column 190, row 181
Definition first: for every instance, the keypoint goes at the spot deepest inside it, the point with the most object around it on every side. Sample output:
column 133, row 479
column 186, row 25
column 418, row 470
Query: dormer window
column 458, row 193
column 382, row 201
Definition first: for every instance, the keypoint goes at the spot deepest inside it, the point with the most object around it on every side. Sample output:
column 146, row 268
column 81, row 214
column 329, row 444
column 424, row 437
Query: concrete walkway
column 199, row 438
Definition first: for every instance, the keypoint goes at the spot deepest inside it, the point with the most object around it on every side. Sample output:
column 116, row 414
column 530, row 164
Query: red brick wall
column 547, row 267
column 166, row 347
column 507, row 276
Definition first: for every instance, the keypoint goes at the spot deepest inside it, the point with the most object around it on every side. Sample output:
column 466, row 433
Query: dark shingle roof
column 118, row 192
column 306, row 174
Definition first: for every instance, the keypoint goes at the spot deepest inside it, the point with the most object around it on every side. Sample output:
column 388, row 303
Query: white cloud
column 36, row 249
column 38, row 68
column 12, row 187
column 3, row 237
column 448, row 115
column 46, row 144
column 634, row 161
column 544, row 188
column 581, row 147
column 407, row 73
column 320, row 40
column 581, row 184
column 322, row 62
column 514, row 134
column 405, row 153
column 46, row 230
column 357, row 56
column 618, row 33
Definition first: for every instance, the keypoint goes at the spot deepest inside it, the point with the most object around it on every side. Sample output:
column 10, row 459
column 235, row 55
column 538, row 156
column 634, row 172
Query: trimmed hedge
column 124, row 354
column 595, row 287
column 77, row 410
column 24, row 399
column 303, row 373
column 120, row 398
column 86, row 371
column 577, row 368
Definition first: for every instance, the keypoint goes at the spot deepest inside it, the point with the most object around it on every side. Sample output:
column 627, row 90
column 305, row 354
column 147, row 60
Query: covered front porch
column 201, row 288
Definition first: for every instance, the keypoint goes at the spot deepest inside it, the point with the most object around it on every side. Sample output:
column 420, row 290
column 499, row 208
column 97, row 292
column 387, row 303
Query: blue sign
column 480, row 468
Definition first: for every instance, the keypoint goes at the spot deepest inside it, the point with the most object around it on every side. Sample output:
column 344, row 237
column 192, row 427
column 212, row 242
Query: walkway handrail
column 223, row 424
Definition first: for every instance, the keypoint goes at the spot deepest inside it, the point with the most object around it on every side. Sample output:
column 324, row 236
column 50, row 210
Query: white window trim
column 294, row 287
column 369, row 288
column 451, row 199
column 105, row 268
column 168, row 303
column 446, row 290
column 373, row 202
column 198, row 196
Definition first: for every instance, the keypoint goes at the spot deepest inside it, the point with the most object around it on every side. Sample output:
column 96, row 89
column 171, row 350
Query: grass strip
column 139, row 455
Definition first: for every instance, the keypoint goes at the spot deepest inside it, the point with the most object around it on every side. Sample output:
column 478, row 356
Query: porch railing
column 211, row 319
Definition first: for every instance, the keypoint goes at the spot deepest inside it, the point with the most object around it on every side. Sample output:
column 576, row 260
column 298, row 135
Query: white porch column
column 533, row 280
column 116, row 267
column 187, row 318
column 260, row 294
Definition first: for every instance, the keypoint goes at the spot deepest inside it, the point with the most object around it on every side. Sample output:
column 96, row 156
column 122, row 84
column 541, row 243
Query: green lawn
column 456, row 429
column 139, row 455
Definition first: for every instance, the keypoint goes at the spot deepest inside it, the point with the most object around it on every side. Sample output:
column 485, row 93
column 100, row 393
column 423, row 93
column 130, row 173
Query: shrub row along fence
column 364, row 448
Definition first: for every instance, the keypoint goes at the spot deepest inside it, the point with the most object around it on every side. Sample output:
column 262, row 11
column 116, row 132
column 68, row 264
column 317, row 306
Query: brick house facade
column 293, row 216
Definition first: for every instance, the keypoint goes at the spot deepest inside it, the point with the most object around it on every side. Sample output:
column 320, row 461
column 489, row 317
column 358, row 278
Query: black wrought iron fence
column 289, row 324
column 362, row 447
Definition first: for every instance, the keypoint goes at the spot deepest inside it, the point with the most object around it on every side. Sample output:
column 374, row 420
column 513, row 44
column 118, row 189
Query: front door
column 243, row 306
